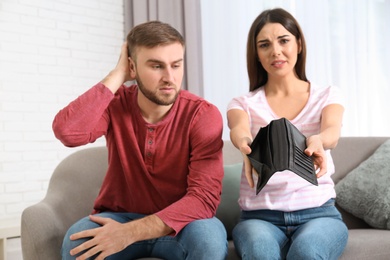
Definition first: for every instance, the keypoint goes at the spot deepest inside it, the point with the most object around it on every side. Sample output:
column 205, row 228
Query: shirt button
column 150, row 141
column 150, row 129
column 149, row 154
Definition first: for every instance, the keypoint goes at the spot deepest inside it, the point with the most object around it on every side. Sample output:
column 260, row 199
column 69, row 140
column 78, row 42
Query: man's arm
column 85, row 119
column 204, row 180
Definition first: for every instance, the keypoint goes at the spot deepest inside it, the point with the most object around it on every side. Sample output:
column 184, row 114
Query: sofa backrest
column 351, row 151
column 231, row 154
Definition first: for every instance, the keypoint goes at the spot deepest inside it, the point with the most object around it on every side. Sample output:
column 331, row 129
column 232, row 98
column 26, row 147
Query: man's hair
column 152, row 34
column 257, row 74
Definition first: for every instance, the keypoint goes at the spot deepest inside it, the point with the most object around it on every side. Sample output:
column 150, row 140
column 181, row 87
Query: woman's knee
column 323, row 238
column 257, row 239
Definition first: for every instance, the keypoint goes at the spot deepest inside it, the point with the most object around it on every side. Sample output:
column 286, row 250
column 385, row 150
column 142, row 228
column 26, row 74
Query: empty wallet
column 277, row 147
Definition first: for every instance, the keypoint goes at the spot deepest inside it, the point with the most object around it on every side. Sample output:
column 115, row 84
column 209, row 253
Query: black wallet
column 280, row 146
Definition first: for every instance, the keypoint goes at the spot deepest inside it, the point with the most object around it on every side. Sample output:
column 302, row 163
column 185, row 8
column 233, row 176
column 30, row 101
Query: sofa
column 76, row 180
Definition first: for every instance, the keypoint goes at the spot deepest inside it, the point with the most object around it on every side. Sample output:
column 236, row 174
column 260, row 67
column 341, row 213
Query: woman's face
column 277, row 50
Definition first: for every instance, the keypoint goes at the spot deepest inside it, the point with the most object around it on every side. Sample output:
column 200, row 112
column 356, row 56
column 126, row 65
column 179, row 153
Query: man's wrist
column 114, row 80
column 149, row 227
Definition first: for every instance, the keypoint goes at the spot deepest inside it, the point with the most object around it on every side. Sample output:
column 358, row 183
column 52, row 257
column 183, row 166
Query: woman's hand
column 316, row 150
column 244, row 146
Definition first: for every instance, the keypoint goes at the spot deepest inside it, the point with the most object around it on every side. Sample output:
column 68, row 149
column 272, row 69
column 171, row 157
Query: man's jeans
column 317, row 233
column 201, row 239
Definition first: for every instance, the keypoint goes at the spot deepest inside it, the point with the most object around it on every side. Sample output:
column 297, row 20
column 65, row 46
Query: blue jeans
column 316, row 233
column 200, row 239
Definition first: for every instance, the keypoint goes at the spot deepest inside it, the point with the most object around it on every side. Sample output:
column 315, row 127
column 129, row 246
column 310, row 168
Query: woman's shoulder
column 324, row 89
column 252, row 94
column 331, row 93
column 247, row 100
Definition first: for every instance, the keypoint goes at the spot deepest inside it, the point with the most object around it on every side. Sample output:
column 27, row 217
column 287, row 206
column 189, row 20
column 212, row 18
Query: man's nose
column 168, row 75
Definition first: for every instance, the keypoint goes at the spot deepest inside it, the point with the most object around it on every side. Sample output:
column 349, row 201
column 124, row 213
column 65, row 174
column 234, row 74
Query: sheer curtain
column 360, row 63
column 346, row 47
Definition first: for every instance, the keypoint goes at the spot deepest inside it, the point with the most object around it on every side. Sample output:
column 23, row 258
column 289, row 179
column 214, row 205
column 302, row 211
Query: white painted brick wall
column 51, row 51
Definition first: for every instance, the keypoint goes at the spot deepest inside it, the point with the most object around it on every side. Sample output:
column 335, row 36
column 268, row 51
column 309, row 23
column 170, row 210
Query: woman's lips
column 278, row 64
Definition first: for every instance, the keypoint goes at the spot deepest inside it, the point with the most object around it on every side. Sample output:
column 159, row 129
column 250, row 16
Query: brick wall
column 50, row 52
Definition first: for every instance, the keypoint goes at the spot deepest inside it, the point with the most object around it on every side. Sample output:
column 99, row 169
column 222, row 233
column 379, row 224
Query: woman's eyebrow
column 265, row 40
column 279, row 37
column 283, row 36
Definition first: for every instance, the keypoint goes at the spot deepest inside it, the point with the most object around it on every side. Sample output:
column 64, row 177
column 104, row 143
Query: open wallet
column 277, row 147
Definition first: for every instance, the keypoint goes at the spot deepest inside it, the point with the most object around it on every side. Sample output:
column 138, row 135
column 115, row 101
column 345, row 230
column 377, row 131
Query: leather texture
column 277, row 147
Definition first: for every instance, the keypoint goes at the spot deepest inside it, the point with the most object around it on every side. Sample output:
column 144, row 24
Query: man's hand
column 121, row 73
column 110, row 238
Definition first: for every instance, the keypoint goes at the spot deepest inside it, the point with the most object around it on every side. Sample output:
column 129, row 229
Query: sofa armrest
column 72, row 190
column 41, row 228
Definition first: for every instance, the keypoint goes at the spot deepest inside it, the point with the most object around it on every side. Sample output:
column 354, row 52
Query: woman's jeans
column 316, row 233
column 200, row 239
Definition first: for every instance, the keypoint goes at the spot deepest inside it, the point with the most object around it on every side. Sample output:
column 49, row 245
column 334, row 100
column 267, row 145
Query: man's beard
column 163, row 100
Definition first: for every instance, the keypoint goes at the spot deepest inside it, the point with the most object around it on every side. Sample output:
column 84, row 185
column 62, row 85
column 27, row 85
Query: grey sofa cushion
column 365, row 192
column 229, row 211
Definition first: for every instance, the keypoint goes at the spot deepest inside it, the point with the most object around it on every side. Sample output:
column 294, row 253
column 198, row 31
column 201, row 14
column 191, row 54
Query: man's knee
column 207, row 237
column 68, row 244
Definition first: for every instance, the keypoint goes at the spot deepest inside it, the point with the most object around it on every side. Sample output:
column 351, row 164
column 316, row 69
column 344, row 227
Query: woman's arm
column 241, row 137
column 331, row 122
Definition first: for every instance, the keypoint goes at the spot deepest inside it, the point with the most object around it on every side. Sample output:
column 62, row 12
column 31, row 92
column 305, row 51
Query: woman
column 290, row 218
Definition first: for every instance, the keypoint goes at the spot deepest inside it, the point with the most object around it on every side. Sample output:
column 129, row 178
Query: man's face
column 159, row 72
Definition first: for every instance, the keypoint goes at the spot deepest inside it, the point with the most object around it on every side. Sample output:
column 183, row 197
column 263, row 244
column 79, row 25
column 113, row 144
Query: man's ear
column 132, row 68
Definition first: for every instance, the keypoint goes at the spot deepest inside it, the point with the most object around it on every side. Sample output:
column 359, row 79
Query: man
column 163, row 182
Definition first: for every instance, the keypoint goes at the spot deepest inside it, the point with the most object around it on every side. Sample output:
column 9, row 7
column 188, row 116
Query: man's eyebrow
column 161, row 62
column 279, row 37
